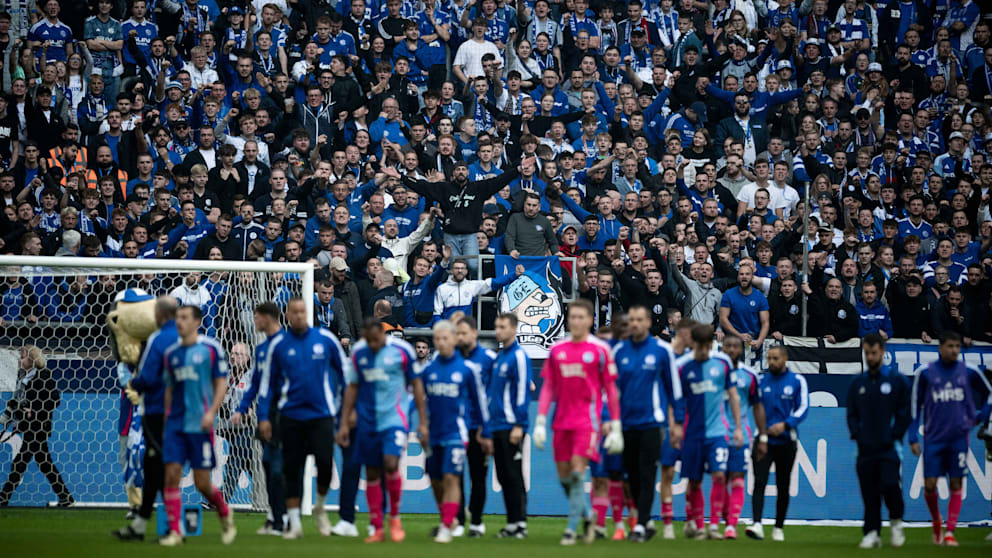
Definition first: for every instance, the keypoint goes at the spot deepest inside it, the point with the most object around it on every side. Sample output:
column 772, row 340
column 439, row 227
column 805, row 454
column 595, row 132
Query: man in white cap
column 953, row 163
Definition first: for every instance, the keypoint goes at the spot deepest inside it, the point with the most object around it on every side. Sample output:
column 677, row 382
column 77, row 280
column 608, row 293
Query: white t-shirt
column 469, row 57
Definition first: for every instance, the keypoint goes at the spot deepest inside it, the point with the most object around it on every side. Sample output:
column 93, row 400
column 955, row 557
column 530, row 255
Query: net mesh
column 80, row 416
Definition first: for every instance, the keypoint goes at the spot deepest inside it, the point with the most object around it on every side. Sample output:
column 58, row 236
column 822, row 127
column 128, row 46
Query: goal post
column 59, row 305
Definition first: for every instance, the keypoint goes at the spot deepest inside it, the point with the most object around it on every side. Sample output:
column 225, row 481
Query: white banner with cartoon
column 536, row 299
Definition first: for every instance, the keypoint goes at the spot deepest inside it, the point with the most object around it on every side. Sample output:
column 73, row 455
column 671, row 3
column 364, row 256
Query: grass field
column 31, row 533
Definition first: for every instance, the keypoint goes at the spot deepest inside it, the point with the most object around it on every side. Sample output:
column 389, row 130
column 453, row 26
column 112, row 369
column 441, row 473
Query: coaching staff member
column 878, row 414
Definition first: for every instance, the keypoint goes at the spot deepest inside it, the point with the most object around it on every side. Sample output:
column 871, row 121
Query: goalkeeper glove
column 614, row 440
column 540, row 434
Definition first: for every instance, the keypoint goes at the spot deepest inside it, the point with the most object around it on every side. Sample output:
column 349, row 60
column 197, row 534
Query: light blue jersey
column 704, row 386
column 190, row 372
column 748, row 383
column 382, row 377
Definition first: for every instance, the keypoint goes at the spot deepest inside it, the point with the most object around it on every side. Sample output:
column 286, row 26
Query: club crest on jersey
column 787, row 390
column 885, row 388
column 318, row 349
column 456, row 377
column 650, row 359
column 588, row 357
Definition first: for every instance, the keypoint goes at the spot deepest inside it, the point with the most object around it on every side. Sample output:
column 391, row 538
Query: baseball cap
column 461, row 164
column 784, row 65
column 956, row 135
column 913, row 279
column 874, row 67
column 236, row 10
column 338, row 264
column 566, row 227
column 134, row 198
column 833, row 27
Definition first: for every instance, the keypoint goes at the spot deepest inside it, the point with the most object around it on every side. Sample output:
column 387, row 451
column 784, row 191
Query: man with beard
column 830, row 316
column 878, row 415
column 529, row 233
column 462, row 208
column 785, row 399
column 754, row 135
column 459, row 293
column 744, row 310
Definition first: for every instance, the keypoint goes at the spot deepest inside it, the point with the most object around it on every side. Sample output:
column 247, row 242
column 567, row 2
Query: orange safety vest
column 93, row 180
column 55, row 161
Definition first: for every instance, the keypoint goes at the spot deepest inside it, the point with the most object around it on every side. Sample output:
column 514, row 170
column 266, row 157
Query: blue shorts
column 737, row 463
column 607, row 464
column 371, row 446
column 702, row 455
column 945, row 458
column 669, row 455
column 445, row 460
column 196, row 448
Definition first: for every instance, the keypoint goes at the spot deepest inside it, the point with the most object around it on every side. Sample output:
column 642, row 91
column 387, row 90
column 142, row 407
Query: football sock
column 953, row 509
column 718, row 498
column 599, row 505
column 448, row 512
column 394, row 486
column 173, row 507
column 737, row 487
column 616, row 501
column 373, row 495
column 295, row 522
column 668, row 511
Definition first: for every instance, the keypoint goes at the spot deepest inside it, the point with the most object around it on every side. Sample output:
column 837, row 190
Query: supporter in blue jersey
column 195, row 373
column 785, row 399
column 383, row 368
column 649, row 385
column 306, row 367
column 706, row 380
column 452, row 388
column 949, row 398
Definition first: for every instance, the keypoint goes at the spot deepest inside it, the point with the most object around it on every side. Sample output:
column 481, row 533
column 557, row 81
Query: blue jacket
column 419, row 297
column 786, row 399
column 878, row 410
column 874, row 318
column 307, row 371
column 648, row 380
column 150, row 380
column 760, row 100
column 509, row 390
column 480, row 362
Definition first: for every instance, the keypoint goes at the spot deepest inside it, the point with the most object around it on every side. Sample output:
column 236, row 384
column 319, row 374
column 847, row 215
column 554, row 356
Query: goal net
column 66, row 423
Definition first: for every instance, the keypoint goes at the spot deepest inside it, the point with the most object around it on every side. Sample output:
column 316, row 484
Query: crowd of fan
column 671, row 147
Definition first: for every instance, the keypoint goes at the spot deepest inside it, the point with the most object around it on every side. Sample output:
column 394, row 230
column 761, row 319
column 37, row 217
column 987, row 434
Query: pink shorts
column 583, row 443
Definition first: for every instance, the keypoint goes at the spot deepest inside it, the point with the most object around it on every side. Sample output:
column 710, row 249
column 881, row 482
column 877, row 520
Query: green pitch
column 69, row 533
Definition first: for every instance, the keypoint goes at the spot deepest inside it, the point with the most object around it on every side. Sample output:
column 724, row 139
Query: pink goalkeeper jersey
column 577, row 373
